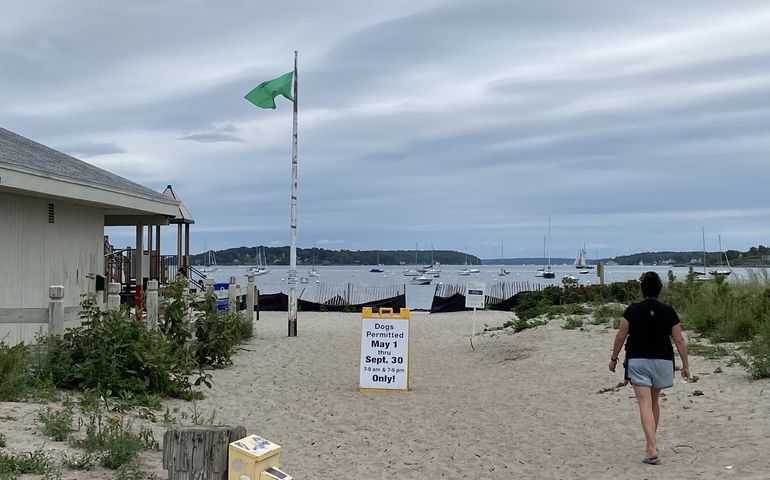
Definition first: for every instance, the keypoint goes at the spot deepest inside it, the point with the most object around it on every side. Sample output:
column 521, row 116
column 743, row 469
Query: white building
column 53, row 210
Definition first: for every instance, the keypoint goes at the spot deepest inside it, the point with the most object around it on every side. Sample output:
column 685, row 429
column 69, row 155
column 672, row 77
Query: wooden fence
column 495, row 293
column 352, row 294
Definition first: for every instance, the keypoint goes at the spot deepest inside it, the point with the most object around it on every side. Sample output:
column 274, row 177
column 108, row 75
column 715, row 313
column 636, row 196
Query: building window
column 51, row 213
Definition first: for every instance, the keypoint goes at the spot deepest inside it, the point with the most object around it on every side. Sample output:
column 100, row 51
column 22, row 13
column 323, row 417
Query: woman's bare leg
column 655, row 393
column 647, row 417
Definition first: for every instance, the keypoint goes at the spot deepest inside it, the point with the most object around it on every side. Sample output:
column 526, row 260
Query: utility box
column 251, row 457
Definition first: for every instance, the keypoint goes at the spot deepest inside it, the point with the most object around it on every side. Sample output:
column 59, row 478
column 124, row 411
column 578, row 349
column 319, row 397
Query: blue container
column 220, row 290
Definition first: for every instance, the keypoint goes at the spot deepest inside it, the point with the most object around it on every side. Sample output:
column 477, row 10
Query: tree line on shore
column 753, row 257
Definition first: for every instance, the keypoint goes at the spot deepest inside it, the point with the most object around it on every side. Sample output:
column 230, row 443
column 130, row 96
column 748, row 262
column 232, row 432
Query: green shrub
column 572, row 323
column 14, row 376
column 759, row 356
column 113, row 354
column 83, row 461
column 14, row 465
column 606, row 313
column 521, row 324
column 708, row 351
column 115, row 440
column 535, row 303
column 57, row 424
column 218, row 333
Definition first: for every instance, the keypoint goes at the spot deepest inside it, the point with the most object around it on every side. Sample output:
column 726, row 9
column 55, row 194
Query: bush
column 14, row 465
column 115, row 355
column 572, row 323
column 522, row 324
column 607, row 313
column 14, row 375
column 218, row 333
column 57, row 424
column 759, row 356
column 115, row 440
column 708, row 351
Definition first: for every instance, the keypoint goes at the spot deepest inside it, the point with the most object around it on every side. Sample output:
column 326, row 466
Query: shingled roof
column 26, row 154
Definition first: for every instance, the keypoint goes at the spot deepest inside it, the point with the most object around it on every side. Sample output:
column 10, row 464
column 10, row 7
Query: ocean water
column 419, row 297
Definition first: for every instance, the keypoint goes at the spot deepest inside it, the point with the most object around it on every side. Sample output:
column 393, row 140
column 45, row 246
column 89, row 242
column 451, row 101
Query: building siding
column 35, row 254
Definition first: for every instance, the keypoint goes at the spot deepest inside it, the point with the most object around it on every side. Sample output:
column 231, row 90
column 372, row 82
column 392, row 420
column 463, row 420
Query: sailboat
column 377, row 269
column 313, row 272
column 434, row 269
column 211, row 262
column 580, row 261
column 539, row 271
column 414, row 272
column 261, row 268
column 503, row 272
column 465, row 271
column 547, row 272
column 722, row 270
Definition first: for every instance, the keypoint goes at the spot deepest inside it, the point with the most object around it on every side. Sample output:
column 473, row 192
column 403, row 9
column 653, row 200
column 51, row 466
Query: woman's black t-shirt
column 649, row 329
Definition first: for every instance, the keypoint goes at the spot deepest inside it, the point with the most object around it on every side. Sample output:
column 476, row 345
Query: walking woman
column 647, row 328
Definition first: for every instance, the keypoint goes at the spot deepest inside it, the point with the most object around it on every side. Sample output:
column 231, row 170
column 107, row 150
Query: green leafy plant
column 521, row 324
column 572, row 323
column 112, row 353
column 12, row 466
column 14, row 375
column 83, row 461
column 57, row 424
column 708, row 351
column 115, row 440
column 606, row 313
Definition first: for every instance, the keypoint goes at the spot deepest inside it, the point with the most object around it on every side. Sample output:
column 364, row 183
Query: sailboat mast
column 703, row 232
column 720, row 250
column 549, row 242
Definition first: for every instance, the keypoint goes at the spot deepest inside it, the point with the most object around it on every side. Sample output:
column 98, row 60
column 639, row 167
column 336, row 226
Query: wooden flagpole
column 293, row 275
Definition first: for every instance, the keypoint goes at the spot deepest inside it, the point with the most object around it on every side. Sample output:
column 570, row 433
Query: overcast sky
column 452, row 123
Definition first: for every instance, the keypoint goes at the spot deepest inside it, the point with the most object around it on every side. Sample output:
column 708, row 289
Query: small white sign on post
column 384, row 352
column 474, row 298
column 474, row 295
column 292, row 276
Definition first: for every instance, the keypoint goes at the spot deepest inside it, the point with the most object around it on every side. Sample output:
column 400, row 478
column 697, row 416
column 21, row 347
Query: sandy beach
column 524, row 405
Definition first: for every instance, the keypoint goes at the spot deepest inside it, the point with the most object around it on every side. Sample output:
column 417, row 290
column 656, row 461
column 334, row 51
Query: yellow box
column 403, row 313
column 250, row 456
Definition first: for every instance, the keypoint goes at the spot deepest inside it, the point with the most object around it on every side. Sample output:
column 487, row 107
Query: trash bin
column 221, row 291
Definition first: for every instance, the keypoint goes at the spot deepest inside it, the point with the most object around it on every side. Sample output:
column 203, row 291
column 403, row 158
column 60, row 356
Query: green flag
column 264, row 95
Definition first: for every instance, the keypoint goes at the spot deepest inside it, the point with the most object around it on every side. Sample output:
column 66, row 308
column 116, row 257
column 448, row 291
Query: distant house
column 53, row 210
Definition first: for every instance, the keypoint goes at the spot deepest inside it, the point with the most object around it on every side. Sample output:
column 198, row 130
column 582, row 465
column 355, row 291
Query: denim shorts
column 650, row 372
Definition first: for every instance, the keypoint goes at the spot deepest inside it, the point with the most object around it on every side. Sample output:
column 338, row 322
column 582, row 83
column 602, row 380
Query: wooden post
column 250, row 298
column 152, row 304
column 113, row 296
column 232, row 296
column 600, row 272
column 199, row 452
column 138, row 273
column 209, row 285
column 55, row 310
column 179, row 261
column 186, row 245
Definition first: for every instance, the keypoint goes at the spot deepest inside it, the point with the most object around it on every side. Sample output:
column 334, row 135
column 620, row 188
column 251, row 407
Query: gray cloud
column 88, row 149
column 431, row 122
column 213, row 135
